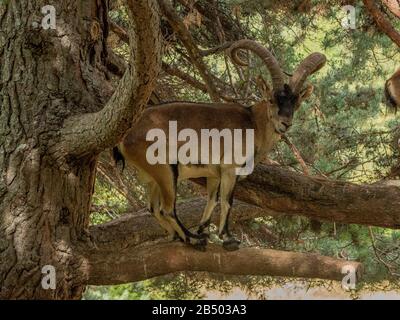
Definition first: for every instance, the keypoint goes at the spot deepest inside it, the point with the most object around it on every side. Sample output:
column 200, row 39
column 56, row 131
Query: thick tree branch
column 136, row 228
column 135, row 264
column 286, row 192
column 91, row 133
column 116, row 64
column 383, row 23
column 118, row 253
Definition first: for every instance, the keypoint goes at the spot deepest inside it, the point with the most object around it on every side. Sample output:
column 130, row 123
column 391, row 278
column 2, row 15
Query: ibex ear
column 304, row 95
column 264, row 88
column 306, row 92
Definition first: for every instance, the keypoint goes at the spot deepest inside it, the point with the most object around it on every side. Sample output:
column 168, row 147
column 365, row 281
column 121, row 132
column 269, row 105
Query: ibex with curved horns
column 269, row 119
column 392, row 90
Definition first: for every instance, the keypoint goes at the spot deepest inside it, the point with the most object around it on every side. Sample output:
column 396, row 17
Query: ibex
column 392, row 90
column 270, row 118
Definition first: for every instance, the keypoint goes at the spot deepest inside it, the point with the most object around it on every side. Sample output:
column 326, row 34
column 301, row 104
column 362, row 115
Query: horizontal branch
column 285, row 192
column 92, row 133
column 139, row 227
column 135, row 264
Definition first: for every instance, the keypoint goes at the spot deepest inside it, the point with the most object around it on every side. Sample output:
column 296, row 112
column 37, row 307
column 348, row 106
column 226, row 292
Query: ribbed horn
column 309, row 65
column 267, row 57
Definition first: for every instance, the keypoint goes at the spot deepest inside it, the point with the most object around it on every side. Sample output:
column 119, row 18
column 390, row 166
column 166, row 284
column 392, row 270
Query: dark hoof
column 177, row 237
column 200, row 244
column 231, row 244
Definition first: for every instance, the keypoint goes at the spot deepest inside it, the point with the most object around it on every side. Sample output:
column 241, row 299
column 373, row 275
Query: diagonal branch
column 393, row 6
column 90, row 133
column 119, row 31
column 194, row 53
column 115, row 64
column 176, row 72
column 382, row 22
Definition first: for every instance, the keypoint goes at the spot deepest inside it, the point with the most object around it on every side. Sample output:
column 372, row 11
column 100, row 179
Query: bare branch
column 286, row 192
column 138, row 227
column 297, row 154
column 119, row 31
column 174, row 71
column 216, row 49
column 135, row 264
column 187, row 40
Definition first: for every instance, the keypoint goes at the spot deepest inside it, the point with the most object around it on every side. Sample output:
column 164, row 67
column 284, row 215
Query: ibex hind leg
column 154, row 199
column 161, row 196
column 228, row 181
column 188, row 234
column 166, row 178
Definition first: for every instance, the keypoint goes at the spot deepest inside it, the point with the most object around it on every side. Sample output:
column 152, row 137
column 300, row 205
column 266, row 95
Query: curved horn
column 267, row 57
column 309, row 65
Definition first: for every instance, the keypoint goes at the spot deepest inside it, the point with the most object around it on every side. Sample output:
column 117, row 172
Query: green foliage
column 107, row 203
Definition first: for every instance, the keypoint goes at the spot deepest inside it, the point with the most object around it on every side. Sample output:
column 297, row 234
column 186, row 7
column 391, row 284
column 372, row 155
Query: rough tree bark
column 54, row 119
column 151, row 261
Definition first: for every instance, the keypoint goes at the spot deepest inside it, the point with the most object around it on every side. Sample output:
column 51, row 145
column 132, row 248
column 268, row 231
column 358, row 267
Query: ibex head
column 392, row 91
column 285, row 97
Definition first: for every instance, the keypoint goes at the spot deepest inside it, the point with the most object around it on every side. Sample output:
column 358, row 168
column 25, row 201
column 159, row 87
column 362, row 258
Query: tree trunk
column 44, row 80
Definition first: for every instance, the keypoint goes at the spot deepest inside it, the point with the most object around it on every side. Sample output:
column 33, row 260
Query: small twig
column 297, row 154
column 119, row 31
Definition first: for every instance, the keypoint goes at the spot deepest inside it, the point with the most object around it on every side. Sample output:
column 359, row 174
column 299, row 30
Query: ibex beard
column 186, row 149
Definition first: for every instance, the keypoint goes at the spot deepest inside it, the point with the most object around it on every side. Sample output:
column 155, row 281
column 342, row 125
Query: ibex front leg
column 213, row 185
column 228, row 181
